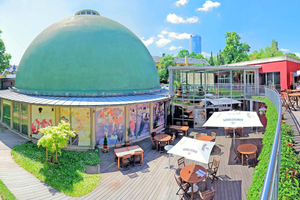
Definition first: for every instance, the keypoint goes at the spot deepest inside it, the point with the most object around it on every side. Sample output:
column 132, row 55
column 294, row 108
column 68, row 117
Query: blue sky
column 163, row 25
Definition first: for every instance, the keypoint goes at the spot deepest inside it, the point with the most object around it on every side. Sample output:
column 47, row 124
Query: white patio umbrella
column 192, row 149
column 233, row 119
column 223, row 101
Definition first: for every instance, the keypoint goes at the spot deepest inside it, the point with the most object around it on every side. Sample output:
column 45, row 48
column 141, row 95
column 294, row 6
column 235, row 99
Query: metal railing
column 270, row 186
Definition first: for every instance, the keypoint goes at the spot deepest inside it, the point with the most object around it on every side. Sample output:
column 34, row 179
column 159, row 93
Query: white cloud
column 174, row 19
column 179, row 36
column 181, row 2
column 148, row 42
column 208, row 6
column 284, row 49
column 160, row 36
column 205, row 54
column 297, row 54
column 164, row 32
column 192, row 20
column 174, row 48
column 162, row 42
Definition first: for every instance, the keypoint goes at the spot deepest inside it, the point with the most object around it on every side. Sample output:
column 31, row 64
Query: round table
column 205, row 138
column 162, row 138
column 188, row 174
column 246, row 149
column 167, row 148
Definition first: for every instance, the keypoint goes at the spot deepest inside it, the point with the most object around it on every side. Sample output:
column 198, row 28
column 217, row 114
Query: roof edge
column 266, row 60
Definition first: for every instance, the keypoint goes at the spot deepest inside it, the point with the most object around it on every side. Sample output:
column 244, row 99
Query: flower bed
column 288, row 185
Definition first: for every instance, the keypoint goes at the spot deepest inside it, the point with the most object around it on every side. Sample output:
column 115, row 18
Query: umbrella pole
column 233, row 137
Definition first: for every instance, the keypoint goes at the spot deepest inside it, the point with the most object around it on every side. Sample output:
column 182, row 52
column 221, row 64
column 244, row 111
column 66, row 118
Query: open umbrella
column 192, row 149
column 223, row 101
column 233, row 119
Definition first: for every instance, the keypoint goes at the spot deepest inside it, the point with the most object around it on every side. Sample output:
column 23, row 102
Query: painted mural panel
column 143, row 119
column 132, row 122
column 42, row 116
column 81, row 124
column 65, row 114
column 158, row 116
column 110, row 122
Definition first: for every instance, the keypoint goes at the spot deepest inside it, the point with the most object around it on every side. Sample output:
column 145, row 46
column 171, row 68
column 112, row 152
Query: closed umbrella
column 233, row 119
column 192, row 149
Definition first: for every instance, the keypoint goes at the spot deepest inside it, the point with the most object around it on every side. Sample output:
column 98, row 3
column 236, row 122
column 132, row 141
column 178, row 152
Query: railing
column 270, row 186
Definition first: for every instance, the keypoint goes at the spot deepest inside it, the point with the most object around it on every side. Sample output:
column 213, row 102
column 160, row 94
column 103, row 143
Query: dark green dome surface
column 86, row 54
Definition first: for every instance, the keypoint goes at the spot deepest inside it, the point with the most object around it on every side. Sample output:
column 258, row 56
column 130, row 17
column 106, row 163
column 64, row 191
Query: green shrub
column 288, row 188
column 68, row 176
column 5, row 194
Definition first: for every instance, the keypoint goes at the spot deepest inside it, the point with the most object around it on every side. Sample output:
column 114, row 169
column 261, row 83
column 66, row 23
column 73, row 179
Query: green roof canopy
column 86, row 54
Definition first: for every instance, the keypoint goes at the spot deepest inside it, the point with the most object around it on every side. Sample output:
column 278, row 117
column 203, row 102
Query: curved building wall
column 119, row 123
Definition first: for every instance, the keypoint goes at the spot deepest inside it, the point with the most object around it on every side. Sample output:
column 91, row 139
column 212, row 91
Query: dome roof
column 86, row 55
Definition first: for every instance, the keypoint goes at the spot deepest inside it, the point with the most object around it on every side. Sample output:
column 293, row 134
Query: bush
column 68, row 176
column 288, row 188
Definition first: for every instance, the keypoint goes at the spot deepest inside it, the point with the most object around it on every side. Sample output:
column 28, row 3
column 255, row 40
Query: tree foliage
column 4, row 57
column 234, row 50
column 211, row 59
column 268, row 52
column 182, row 53
column 293, row 55
column 164, row 63
column 56, row 137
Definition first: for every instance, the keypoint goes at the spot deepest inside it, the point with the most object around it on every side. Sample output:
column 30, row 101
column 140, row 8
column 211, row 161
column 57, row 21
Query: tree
column 4, row 57
column 221, row 58
column 211, row 60
column 192, row 55
column 234, row 50
column 164, row 63
column 182, row 53
column 293, row 55
column 55, row 138
column 270, row 51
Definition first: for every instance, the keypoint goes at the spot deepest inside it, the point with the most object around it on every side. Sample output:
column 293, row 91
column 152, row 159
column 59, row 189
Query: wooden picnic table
column 180, row 128
column 188, row 174
column 205, row 138
column 162, row 138
column 120, row 152
column 246, row 149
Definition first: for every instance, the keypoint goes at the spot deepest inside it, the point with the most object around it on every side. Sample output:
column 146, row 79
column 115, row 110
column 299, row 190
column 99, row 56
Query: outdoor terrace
column 153, row 181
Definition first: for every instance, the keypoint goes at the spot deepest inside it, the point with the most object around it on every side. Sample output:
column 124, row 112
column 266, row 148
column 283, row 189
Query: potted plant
column 155, row 124
column 262, row 110
column 105, row 142
column 128, row 132
column 153, row 134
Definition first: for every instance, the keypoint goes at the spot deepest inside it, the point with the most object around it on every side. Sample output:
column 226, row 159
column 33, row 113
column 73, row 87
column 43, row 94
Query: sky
column 164, row 26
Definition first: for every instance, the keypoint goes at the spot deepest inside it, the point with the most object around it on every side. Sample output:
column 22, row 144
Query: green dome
column 86, row 54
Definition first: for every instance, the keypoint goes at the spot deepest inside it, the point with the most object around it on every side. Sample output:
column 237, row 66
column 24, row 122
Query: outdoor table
column 120, row 152
column 205, row 138
column 167, row 148
column 295, row 95
column 162, row 138
column 246, row 149
column 188, row 174
column 180, row 128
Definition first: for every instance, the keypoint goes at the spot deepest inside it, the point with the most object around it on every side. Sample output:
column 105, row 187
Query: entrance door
column 249, row 82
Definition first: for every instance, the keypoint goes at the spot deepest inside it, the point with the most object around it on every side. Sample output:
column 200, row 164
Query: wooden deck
column 153, row 181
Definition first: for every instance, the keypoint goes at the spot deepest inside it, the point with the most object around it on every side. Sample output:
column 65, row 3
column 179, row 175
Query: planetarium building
column 92, row 72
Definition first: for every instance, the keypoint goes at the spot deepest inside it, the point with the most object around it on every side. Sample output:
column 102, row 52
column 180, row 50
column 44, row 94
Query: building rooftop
column 180, row 60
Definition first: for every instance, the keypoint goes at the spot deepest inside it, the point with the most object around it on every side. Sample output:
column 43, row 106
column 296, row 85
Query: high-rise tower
column 195, row 43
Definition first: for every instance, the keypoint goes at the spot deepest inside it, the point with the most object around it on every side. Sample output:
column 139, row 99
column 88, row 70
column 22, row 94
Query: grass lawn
column 68, row 176
column 5, row 194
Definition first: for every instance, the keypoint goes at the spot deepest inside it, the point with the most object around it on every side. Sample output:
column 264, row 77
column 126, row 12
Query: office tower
column 195, row 43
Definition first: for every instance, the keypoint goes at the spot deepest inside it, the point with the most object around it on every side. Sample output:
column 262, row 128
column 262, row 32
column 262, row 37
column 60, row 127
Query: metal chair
column 172, row 140
column 153, row 143
column 214, row 135
column 126, row 159
column 251, row 158
column 162, row 146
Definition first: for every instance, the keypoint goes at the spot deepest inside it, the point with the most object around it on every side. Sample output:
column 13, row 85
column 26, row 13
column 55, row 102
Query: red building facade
column 278, row 71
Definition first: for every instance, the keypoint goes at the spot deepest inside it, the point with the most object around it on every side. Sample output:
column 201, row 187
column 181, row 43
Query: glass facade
column 195, row 44
column 24, row 119
column 198, row 92
column 6, row 112
column 271, row 79
column 16, row 114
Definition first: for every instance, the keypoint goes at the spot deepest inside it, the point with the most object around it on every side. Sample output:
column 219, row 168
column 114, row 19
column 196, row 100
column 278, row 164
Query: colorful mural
column 132, row 122
column 143, row 119
column 158, row 116
column 81, row 123
column 42, row 116
column 110, row 122
column 65, row 114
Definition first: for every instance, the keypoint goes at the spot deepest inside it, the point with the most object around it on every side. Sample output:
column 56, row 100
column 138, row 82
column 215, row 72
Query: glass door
column 249, row 82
